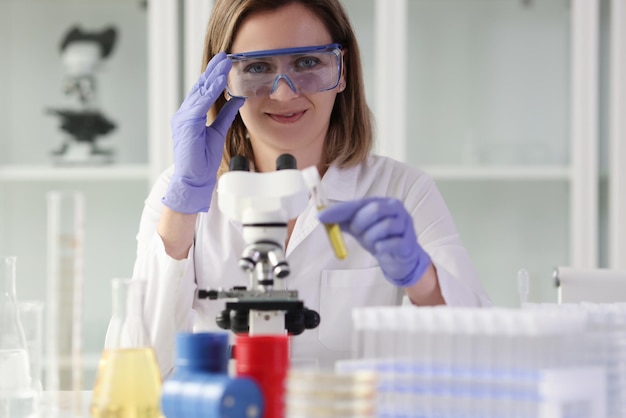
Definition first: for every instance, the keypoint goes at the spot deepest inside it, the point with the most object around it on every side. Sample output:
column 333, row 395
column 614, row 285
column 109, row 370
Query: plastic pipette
column 312, row 179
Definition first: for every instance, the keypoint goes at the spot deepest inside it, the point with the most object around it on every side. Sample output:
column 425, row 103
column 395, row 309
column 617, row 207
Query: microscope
column 82, row 53
column 263, row 203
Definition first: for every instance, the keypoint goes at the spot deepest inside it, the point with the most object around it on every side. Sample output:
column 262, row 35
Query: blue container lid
column 203, row 351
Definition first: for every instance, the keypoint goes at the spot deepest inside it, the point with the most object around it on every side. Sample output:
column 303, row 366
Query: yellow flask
column 128, row 384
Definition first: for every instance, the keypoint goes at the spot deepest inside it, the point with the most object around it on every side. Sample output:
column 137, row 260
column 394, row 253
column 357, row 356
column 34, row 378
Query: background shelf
column 112, row 172
column 498, row 173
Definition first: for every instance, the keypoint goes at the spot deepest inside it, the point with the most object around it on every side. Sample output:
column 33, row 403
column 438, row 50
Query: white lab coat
column 327, row 285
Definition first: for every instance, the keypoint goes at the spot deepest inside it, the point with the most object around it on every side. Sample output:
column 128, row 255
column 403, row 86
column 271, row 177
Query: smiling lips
column 286, row 117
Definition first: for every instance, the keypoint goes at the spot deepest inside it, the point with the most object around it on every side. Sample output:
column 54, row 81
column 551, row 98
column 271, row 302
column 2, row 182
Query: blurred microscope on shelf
column 263, row 203
column 82, row 53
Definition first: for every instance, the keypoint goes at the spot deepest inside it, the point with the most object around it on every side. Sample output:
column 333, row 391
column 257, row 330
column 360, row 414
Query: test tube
column 313, row 182
column 523, row 284
column 64, row 298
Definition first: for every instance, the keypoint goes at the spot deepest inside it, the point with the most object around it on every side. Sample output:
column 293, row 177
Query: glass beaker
column 31, row 317
column 128, row 383
column 17, row 397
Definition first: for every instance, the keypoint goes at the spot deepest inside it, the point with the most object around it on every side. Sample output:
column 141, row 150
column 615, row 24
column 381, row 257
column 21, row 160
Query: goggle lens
column 305, row 70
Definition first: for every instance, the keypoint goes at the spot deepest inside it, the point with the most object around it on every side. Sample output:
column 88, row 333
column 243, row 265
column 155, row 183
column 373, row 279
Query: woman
column 185, row 243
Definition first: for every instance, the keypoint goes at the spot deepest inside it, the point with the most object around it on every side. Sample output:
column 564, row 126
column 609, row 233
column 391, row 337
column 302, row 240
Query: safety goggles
column 310, row 69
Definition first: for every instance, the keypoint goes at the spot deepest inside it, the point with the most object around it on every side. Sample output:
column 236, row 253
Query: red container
column 265, row 359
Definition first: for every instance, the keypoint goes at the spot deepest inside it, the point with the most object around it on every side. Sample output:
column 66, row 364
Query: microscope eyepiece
column 286, row 162
column 239, row 163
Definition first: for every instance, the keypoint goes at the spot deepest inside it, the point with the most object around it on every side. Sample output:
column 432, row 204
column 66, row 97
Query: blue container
column 203, row 352
column 200, row 386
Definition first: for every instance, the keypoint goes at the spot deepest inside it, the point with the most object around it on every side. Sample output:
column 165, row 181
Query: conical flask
column 16, row 391
column 128, row 384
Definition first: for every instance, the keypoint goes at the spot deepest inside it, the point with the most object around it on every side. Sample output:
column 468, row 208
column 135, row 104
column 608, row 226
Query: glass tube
column 64, row 294
column 31, row 316
column 313, row 181
column 16, row 393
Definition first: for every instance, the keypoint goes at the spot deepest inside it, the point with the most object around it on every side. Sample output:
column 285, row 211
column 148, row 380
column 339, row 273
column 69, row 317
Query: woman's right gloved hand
column 198, row 148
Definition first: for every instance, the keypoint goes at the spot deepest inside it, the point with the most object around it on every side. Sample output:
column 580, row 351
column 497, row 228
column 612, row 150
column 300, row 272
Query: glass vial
column 17, row 397
column 313, row 181
column 128, row 383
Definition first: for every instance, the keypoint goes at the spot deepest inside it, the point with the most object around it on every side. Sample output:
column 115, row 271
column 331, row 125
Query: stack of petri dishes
column 326, row 394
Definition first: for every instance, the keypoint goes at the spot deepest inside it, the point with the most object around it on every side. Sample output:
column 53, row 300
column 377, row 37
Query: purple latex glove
column 385, row 229
column 198, row 148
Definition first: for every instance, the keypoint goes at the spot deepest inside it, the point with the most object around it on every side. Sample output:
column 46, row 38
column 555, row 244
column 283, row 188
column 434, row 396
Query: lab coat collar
column 340, row 184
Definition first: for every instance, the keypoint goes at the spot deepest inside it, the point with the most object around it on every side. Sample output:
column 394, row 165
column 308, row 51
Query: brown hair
column 350, row 137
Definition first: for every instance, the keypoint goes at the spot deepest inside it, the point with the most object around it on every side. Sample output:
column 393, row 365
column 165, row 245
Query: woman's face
column 285, row 121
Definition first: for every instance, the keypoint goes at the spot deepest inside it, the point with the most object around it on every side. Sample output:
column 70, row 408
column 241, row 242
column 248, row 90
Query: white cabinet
column 32, row 80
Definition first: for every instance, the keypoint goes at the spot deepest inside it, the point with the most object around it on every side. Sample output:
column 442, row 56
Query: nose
column 285, row 90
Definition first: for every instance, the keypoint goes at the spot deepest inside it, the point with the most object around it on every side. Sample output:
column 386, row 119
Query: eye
column 257, row 68
column 307, row 62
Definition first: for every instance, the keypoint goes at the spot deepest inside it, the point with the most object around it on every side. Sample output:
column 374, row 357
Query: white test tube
column 523, row 285
column 370, row 349
column 63, row 370
column 358, row 333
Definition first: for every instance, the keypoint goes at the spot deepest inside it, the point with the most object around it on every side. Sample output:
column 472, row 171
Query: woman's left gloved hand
column 385, row 229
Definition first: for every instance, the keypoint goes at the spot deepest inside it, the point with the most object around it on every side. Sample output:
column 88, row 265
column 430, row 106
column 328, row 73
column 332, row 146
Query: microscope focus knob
column 239, row 321
column 311, row 319
column 223, row 319
column 294, row 322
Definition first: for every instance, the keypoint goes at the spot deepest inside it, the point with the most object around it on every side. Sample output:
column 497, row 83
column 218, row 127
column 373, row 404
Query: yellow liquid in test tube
column 128, row 385
column 312, row 180
column 336, row 239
